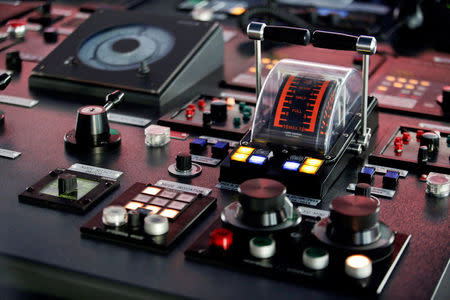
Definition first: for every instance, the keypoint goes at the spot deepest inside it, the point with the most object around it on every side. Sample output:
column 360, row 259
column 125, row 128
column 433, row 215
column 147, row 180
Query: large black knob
column 183, row 161
column 262, row 194
column 219, row 111
column 354, row 220
column 431, row 140
column 263, row 202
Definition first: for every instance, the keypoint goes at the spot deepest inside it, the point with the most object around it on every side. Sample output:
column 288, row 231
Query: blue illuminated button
column 198, row 145
column 220, row 149
column 291, row 165
column 257, row 159
column 366, row 175
column 390, row 180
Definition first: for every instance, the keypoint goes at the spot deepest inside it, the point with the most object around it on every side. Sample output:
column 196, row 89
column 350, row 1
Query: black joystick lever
column 5, row 79
column 92, row 131
column 260, row 31
column 364, row 45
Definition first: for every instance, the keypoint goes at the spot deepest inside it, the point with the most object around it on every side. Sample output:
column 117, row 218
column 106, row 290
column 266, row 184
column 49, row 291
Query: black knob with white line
column 92, row 131
column 184, row 167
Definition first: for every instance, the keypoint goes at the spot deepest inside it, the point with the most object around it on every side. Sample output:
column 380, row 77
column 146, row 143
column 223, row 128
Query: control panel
column 179, row 155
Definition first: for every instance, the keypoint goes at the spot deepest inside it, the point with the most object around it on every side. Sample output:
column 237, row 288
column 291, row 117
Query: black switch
column 183, row 162
column 13, row 61
column 50, row 35
column 198, row 146
column 390, row 180
column 220, row 149
column 366, row 175
column 67, row 183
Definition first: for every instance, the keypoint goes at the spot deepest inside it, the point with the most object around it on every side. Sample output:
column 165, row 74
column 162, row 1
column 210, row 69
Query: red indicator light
column 201, row 104
column 222, row 238
column 406, row 137
column 419, row 134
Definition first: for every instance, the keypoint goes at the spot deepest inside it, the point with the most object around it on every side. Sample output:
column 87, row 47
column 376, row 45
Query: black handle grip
column 334, row 40
column 285, row 34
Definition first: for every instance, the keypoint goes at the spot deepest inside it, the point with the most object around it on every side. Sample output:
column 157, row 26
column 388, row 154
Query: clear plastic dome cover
column 306, row 105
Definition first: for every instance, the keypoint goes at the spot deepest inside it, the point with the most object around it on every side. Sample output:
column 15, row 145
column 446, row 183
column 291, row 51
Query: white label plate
column 106, row 173
column 129, row 120
column 435, row 127
column 183, row 187
column 19, row 101
column 9, row 153
column 375, row 191
column 205, row 160
column 213, row 140
column 395, row 101
column 314, row 212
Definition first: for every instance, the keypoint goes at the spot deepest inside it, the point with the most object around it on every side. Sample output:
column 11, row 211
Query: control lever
column 5, row 79
column 260, row 31
column 364, row 45
column 92, row 131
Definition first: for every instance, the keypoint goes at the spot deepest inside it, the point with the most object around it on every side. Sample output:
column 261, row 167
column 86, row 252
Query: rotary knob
column 219, row 111
column 262, row 201
column 431, row 140
column 354, row 220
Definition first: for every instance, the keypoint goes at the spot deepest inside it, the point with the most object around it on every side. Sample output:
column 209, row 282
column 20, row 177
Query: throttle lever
column 260, row 31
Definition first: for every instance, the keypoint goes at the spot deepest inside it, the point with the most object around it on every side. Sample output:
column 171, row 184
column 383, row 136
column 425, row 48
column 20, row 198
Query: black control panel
column 141, row 155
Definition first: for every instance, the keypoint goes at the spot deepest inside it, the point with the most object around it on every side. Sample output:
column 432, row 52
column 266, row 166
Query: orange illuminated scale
column 304, row 105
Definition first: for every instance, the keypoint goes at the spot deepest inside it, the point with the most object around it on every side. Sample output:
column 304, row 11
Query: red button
column 192, row 106
column 419, row 134
column 16, row 23
column 406, row 137
column 221, row 237
column 189, row 113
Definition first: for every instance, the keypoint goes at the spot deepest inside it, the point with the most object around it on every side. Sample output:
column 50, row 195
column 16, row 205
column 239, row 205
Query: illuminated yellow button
column 154, row 209
column 133, row 205
column 313, row 162
column 252, row 69
column 239, row 157
column 266, row 60
column 390, row 78
column 231, row 101
column 413, row 81
column 409, row 86
column 398, row 85
column 308, row 169
column 169, row 213
column 269, row 67
column 402, row 80
column 382, row 88
column 425, row 83
column 274, row 61
column 358, row 266
column 245, row 150
column 237, row 11
column 151, row 190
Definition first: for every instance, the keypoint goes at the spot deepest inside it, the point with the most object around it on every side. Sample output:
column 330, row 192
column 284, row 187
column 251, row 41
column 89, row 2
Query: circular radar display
column 125, row 47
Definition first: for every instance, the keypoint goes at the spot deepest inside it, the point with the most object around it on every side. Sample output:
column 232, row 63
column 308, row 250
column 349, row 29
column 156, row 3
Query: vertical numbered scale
column 299, row 105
